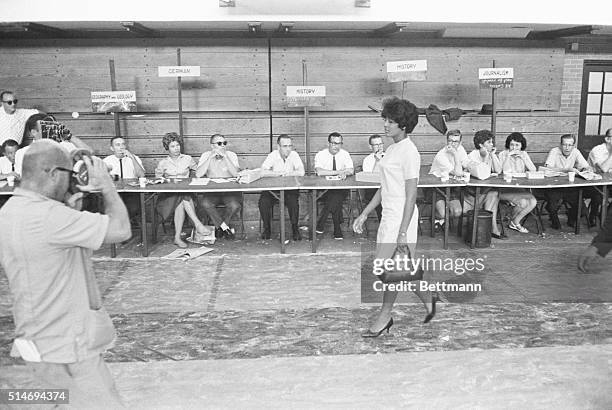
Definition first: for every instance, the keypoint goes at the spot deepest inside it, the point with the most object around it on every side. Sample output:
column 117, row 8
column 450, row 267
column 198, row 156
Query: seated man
column 219, row 163
column 283, row 161
column 7, row 162
column 600, row 159
column 333, row 161
column 449, row 161
column 123, row 164
column 484, row 142
column 565, row 158
column 371, row 163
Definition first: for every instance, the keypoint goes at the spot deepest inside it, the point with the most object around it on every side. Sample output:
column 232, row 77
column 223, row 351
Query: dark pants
column 267, row 201
column 132, row 204
column 332, row 202
column 555, row 198
column 603, row 240
column 231, row 201
column 369, row 194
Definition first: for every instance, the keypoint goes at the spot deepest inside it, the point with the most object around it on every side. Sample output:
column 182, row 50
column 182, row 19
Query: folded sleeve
column 68, row 227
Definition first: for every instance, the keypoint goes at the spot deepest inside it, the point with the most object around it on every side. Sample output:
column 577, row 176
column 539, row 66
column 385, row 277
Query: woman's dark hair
column 482, row 136
column 170, row 137
column 403, row 112
column 518, row 137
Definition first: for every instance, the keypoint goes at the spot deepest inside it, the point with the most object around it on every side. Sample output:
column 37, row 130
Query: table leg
column 113, row 250
column 433, row 211
column 475, row 220
column 313, row 221
column 604, row 206
column 143, row 225
column 579, row 212
column 446, row 217
column 460, row 222
column 282, row 220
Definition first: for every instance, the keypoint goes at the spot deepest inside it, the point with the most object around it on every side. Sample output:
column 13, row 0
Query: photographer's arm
column 80, row 144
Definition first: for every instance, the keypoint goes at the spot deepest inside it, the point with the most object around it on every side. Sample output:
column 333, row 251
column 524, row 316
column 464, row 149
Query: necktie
column 13, row 167
column 334, row 163
column 121, row 167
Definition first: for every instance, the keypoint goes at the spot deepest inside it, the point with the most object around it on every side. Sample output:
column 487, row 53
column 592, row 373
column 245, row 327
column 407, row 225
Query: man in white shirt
column 565, row 158
column 281, row 162
column 600, row 159
column 7, row 162
column 219, row 163
column 333, row 161
column 371, row 163
column 13, row 119
column 123, row 164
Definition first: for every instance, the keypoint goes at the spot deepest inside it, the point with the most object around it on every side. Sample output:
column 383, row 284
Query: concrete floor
column 244, row 327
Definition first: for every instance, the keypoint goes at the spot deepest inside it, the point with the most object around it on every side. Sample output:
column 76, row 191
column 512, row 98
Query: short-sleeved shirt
column 292, row 165
column 371, row 163
column 598, row 155
column 516, row 163
column 475, row 156
column 556, row 159
column 45, row 250
column 6, row 166
column 122, row 167
column 325, row 160
column 12, row 126
column 218, row 167
column 444, row 161
column 176, row 168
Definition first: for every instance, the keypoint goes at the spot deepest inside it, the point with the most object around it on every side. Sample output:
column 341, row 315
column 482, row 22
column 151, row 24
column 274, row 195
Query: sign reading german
column 496, row 77
column 406, row 71
column 179, row 71
column 306, row 96
column 113, row 101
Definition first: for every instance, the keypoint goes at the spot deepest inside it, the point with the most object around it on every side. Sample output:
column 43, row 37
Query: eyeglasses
column 335, row 143
column 454, row 141
column 377, row 145
column 219, row 143
column 567, row 145
column 11, row 102
column 286, row 146
column 72, row 173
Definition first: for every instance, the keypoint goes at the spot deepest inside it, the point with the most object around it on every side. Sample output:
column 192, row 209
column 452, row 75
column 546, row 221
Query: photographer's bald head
column 45, row 169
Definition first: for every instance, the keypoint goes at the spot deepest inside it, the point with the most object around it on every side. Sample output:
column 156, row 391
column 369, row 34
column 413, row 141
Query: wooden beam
column 563, row 32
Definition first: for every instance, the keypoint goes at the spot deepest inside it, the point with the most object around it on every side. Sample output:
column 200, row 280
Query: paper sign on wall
column 496, row 77
column 112, row 101
column 179, row 71
column 406, row 71
column 306, row 96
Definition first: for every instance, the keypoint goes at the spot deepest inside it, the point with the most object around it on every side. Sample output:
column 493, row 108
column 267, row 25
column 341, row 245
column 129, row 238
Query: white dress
column 400, row 163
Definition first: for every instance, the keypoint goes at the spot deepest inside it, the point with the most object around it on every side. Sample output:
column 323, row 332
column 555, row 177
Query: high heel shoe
column 435, row 298
column 369, row 333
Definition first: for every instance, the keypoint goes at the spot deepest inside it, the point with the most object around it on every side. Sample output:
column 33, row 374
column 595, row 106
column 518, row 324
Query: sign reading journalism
column 496, row 77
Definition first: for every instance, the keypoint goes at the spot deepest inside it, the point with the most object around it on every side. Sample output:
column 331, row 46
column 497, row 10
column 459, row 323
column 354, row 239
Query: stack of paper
column 186, row 254
column 199, row 181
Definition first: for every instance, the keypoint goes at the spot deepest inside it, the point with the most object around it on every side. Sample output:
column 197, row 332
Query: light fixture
column 139, row 29
column 44, row 29
column 392, row 28
column 227, row 3
column 254, row 26
column 362, row 3
column 285, row 27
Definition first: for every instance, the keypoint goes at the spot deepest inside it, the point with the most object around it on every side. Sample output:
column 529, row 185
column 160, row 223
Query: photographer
column 45, row 249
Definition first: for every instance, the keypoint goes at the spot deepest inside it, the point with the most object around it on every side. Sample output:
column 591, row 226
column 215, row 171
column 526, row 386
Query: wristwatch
column 402, row 233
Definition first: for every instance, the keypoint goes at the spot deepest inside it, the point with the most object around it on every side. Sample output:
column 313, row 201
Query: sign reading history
column 306, row 96
column 179, row 71
column 112, row 101
column 496, row 77
column 406, row 71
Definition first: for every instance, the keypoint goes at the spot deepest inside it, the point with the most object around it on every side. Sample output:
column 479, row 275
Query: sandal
column 517, row 227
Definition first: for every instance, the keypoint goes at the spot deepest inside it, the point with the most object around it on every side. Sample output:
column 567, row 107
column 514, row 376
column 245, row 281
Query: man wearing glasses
column 281, row 162
column 46, row 245
column 219, row 163
column 566, row 158
column 333, row 161
column 371, row 164
column 13, row 119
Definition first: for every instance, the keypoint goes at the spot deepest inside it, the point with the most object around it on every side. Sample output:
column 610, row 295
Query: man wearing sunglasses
column 219, row 163
column 13, row 119
column 46, row 245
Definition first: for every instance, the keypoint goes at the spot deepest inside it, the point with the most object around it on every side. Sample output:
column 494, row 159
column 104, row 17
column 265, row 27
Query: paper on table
column 199, row 181
column 219, row 180
column 3, row 184
column 186, row 254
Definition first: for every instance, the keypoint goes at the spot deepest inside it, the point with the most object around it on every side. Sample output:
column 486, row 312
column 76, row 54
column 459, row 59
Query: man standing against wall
column 371, row 163
column 45, row 250
column 13, row 119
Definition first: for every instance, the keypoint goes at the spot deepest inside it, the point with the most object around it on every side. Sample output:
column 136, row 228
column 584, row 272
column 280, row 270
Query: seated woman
column 177, row 165
column 514, row 159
